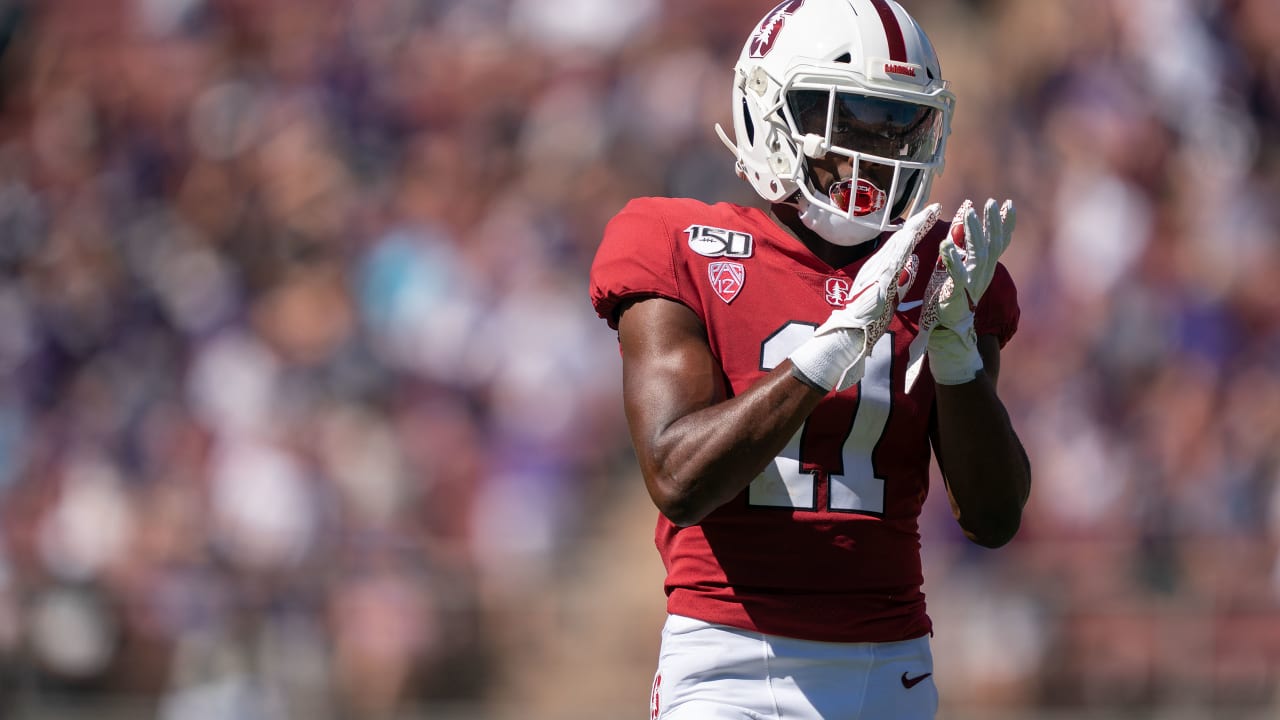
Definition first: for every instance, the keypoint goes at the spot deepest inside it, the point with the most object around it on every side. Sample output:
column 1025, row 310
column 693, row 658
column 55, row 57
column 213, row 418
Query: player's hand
column 967, row 261
column 972, row 266
column 834, row 358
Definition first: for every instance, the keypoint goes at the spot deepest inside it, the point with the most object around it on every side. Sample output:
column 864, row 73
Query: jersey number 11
column 853, row 485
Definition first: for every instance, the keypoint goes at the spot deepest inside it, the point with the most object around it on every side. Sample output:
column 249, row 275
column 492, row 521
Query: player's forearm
column 704, row 459
column 987, row 471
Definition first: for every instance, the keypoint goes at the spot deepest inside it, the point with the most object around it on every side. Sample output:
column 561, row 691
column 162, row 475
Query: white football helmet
column 856, row 79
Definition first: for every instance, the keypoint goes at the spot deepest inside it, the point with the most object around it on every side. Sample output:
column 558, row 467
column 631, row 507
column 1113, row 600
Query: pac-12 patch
column 727, row 278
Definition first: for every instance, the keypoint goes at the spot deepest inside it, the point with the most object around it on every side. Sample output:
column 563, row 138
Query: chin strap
column 724, row 138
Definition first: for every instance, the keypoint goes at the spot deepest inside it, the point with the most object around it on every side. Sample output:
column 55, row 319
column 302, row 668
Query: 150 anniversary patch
column 719, row 242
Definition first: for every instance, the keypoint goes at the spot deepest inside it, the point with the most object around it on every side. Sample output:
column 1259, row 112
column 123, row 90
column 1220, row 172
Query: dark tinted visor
column 892, row 129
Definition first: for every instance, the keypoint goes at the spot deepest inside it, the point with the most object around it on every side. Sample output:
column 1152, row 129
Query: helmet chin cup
column 839, row 228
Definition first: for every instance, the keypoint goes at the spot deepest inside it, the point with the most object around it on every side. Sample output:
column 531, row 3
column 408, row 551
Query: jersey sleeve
column 998, row 311
column 635, row 259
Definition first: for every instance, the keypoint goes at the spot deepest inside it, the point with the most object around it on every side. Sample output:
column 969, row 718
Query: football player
column 788, row 375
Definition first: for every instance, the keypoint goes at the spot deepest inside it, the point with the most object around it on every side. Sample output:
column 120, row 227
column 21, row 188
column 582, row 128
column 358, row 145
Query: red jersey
column 824, row 545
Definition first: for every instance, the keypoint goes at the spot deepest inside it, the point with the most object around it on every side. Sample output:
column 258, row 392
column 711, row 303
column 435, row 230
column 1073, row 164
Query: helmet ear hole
column 845, row 58
column 746, row 122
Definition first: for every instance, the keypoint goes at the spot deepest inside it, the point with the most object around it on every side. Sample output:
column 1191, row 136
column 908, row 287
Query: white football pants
column 713, row 672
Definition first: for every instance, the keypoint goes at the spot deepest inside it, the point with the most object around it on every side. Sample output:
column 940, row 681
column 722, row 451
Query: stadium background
column 304, row 412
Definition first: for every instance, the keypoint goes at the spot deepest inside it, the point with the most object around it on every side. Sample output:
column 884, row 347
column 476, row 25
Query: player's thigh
column 709, row 711
column 853, row 681
column 709, row 672
column 901, row 682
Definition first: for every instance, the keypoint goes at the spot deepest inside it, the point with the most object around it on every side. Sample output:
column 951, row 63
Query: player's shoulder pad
column 640, row 254
column 677, row 213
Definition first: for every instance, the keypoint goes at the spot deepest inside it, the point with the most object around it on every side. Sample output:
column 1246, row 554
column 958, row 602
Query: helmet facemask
column 877, row 156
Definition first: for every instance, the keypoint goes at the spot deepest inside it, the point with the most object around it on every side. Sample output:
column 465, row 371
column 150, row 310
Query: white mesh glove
column 834, row 357
column 946, row 318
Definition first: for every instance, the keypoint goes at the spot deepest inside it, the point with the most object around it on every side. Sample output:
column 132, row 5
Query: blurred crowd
column 304, row 411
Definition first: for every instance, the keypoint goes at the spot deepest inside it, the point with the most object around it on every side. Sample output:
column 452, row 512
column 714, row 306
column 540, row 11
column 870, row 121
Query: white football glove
column 834, row 358
column 953, row 292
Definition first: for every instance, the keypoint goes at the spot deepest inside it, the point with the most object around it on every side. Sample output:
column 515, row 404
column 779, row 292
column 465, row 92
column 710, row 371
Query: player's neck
column 837, row 256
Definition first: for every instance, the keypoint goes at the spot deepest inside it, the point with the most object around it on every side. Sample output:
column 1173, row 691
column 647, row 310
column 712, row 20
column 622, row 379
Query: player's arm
column 986, row 470
column 987, row 473
column 697, row 449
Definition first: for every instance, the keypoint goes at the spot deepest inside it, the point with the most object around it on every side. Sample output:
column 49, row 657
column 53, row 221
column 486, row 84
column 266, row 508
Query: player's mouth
column 865, row 199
